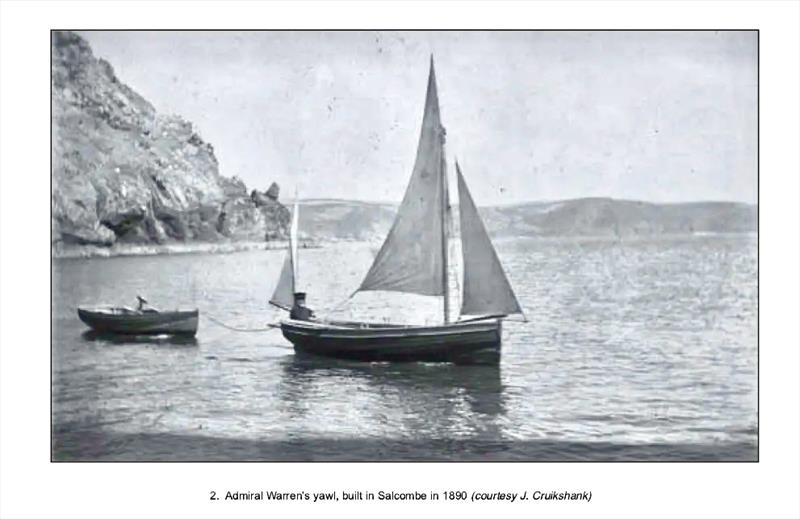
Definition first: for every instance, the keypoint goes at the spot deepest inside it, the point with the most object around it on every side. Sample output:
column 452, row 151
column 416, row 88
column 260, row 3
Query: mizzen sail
column 283, row 297
column 486, row 287
column 412, row 258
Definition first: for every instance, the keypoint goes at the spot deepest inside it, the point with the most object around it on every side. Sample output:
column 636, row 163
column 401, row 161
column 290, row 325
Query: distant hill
column 612, row 217
column 354, row 220
column 345, row 219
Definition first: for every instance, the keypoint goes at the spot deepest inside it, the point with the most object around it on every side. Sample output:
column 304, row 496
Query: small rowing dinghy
column 143, row 320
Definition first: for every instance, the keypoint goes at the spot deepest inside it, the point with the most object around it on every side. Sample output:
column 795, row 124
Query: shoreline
column 122, row 250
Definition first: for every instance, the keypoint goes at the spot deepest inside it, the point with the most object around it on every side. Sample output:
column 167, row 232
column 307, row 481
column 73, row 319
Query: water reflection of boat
column 414, row 259
column 116, row 338
column 433, row 384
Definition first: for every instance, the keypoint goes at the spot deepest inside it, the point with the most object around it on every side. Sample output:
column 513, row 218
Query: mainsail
column 411, row 259
column 283, row 297
column 486, row 287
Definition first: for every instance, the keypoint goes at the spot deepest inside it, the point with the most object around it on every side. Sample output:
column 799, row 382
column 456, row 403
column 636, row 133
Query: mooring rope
column 238, row 329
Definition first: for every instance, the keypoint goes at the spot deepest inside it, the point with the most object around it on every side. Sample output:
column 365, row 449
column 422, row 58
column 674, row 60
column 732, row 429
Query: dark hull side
column 171, row 323
column 460, row 343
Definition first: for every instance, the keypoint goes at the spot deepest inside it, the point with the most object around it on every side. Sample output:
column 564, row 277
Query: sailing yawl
column 414, row 259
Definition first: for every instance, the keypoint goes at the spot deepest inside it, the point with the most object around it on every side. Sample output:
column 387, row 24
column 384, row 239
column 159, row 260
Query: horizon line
column 540, row 201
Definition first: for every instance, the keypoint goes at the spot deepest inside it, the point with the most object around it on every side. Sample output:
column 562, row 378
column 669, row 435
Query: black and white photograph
column 371, row 246
column 448, row 259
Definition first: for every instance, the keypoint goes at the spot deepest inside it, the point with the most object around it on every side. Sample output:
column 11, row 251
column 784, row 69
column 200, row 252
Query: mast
column 293, row 241
column 443, row 220
column 283, row 296
column 445, row 240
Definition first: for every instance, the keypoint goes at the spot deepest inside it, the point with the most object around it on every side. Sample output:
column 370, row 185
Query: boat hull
column 460, row 343
column 149, row 323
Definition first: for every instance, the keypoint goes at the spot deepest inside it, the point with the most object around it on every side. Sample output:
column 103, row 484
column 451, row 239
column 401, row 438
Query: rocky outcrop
column 122, row 173
column 239, row 220
column 270, row 196
column 273, row 192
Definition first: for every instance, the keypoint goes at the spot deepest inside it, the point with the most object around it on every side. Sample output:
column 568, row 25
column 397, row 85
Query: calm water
column 634, row 350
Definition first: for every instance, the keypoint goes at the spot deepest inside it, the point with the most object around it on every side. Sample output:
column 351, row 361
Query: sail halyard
column 283, row 297
column 412, row 259
column 486, row 290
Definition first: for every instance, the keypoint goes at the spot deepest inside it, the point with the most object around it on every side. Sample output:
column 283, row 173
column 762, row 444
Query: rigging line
column 338, row 306
column 238, row 329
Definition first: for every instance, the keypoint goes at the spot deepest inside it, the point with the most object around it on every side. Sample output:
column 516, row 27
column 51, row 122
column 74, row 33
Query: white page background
column 32, row 486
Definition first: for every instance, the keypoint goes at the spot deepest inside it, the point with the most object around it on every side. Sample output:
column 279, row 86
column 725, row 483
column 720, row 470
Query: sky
column 654, row 116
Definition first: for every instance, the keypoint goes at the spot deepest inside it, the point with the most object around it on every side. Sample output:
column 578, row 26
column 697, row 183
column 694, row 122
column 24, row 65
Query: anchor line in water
column 238, row 329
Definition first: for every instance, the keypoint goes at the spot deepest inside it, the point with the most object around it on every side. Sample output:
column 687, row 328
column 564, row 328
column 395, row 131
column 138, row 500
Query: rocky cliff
column 123, row 173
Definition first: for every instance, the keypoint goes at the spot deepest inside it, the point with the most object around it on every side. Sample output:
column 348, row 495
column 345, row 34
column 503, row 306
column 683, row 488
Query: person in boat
column 299, row 311
column 144, row 306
